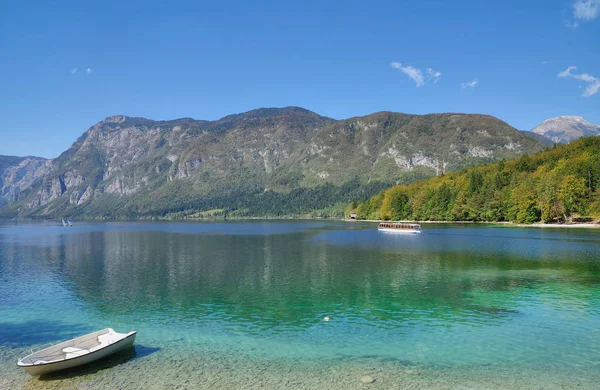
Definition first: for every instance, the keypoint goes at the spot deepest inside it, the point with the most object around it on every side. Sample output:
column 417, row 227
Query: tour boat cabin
column 399, row 227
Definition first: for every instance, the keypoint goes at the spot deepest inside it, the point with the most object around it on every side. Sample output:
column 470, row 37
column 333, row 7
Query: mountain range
column 265, row 162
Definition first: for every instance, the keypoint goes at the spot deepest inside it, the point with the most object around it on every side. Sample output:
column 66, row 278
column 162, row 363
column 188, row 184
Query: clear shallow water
column 459, row 304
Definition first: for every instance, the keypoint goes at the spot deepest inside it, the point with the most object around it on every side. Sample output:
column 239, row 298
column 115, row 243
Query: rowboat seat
column 74, row 352
column 107, row 338
column 71, row 349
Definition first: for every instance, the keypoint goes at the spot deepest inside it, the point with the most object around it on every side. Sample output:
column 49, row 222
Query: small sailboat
column 69, row 222
column 76, row 352
column 64, row 223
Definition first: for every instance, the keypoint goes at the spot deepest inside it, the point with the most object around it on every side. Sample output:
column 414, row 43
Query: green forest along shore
column 554, row 186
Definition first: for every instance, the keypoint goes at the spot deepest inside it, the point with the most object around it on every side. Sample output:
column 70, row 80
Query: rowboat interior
column 73, row 348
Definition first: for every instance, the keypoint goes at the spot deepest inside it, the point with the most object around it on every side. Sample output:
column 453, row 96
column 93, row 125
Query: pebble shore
column 192, row 367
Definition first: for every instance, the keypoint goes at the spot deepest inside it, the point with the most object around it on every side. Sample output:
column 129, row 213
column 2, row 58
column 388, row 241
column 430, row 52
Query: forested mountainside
column 551, row 186
column 265, row 162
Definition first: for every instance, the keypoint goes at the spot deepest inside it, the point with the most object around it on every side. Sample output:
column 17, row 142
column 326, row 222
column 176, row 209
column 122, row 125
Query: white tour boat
column 399, row 227
column 76, row 352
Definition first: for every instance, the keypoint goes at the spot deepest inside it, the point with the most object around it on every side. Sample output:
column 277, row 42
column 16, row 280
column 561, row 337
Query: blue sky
column 67, row 65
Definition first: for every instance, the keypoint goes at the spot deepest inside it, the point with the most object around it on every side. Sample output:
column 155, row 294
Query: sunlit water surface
column 242, row 304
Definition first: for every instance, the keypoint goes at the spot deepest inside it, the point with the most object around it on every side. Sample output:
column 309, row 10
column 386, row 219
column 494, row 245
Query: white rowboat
column 77, row 352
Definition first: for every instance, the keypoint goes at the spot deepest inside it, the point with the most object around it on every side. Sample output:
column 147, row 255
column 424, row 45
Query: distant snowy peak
column 564, row 129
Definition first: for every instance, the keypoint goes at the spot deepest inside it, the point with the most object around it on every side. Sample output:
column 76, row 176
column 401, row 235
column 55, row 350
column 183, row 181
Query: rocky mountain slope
column 564, row 129
column 18, row 174
column 543, row 139
column 262, row 162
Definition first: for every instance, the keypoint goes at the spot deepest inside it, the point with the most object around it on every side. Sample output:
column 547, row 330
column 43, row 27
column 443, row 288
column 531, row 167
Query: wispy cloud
column 413, row 73
column 469, row 84
column 566, row 72
column 417, row 75
column 593, row 83
column 88, row 70
column 74, row 70
column 434, row 74
column 584, row 11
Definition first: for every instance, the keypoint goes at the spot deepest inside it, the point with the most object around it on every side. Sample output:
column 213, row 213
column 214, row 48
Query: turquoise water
column 242, row 304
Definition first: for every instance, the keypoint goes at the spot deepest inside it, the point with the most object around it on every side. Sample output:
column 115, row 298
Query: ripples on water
column 453, row 296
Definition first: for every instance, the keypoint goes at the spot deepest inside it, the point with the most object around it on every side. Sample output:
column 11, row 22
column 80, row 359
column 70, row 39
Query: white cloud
column 469, row 84
column 74, row 70
column 416, row 74
column 583, row 10
column 586, row 9
column 413, row 73
column 592, row 89
column 593, row 83
column 566, row 72
column 88, row 70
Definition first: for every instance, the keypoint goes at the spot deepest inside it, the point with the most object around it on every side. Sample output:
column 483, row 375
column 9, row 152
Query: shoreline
column 578, row 225
column 194, row 366
column 582, row 225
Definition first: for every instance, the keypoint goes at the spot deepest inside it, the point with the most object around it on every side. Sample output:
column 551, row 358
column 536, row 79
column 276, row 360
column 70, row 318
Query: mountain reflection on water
column 278, row 280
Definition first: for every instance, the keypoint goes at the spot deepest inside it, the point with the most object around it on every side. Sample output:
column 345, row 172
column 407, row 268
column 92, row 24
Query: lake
column 242, row 304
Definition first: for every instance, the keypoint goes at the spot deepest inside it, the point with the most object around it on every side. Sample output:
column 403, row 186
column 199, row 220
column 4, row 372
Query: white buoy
column 326, row 319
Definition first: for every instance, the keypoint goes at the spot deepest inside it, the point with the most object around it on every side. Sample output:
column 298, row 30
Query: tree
column 501, row 165
column 573, row 194
column 525, row 207
column 441, row 203
column 460, row 209
column 548, row 202
column 475, row 182
column 400, row 206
